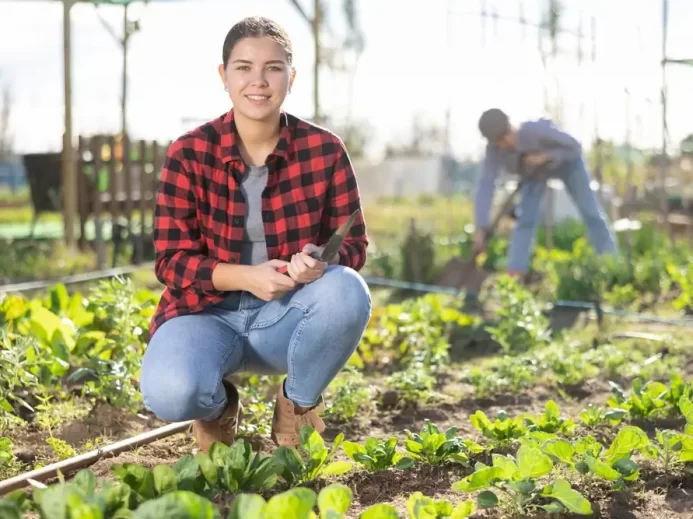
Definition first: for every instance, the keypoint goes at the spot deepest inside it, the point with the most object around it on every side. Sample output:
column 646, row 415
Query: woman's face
column 258, row 77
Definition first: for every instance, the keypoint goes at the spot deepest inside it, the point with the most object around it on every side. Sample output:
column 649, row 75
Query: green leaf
column 164, row 479
column 628, row 439
column 570, row 498
column 487, row 499
column 532, row 462
column 337, row 468
column 404, row 463
column 507, row 467
column 686, row 407
column 86, row 481
column 247, row 506
column 351, row 449
column 265, row 474
column 553, row 412
column 626, row 466
column 296, row 503
column 180, row 504
column 335, row 497
column 562, row 450
column 478, row 480
column 464, row 509
column 601, row 469
column 380, row 511
column 209, row 470
column 291, row 462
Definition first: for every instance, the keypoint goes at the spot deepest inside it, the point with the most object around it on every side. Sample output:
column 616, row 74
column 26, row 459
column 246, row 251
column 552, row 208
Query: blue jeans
column 309, row 335
column 577, row 183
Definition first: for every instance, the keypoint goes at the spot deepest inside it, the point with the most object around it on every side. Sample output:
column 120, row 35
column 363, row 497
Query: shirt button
column 232, row 260
column 236, row 221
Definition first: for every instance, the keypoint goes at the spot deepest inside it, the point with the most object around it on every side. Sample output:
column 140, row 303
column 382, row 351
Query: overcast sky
column 417, row 61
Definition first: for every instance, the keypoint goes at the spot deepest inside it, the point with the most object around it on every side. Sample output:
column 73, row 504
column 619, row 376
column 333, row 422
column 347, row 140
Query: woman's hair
column 256, row 27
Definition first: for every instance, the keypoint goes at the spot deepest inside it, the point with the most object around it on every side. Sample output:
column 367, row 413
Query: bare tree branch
column 299, row 8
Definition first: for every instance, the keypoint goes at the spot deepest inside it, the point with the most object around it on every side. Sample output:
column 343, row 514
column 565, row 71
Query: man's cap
column 493, row 124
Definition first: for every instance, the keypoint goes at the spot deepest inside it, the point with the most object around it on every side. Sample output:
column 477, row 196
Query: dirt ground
column 655, row 497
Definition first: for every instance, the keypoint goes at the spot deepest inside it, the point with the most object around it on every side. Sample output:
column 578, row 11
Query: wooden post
column 96, row 149
column 84, row 188
column 69, row 177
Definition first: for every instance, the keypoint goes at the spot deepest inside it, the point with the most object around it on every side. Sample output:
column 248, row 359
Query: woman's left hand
column 305, row 269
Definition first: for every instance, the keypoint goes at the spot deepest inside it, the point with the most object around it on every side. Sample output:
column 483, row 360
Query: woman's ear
column 222, row 75
column 291, row 78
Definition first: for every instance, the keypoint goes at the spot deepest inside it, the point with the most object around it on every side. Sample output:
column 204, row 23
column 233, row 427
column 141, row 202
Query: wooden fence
column 118, row 180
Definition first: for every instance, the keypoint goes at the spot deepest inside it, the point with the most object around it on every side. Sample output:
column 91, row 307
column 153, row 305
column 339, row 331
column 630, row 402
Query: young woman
column 241, row 196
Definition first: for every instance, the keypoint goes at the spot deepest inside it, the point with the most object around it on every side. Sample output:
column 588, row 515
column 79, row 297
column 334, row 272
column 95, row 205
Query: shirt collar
column 230, row 151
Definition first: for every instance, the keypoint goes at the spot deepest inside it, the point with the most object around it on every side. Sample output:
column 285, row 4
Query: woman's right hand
column 266, row 283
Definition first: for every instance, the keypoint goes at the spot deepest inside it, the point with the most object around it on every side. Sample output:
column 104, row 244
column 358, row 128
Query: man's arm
column 180, row 262
column 486, row 187
column 343, row 198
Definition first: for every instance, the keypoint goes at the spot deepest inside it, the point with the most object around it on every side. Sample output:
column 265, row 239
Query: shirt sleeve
column 486, row 187
column 343, row 198
column 180, row 259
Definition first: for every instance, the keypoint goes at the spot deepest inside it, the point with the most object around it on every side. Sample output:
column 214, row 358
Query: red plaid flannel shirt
column 199, row 215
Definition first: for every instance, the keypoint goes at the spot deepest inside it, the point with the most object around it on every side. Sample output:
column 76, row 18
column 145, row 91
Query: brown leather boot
column 224, row 428
column 289, row 419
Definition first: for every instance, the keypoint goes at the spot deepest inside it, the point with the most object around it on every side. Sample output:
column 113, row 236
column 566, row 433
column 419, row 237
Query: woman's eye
column 275, row 68
column 243, row 67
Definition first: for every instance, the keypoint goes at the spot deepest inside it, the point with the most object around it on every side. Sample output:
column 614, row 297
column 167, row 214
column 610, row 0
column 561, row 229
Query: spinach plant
column 237, row 469
column 375, row 455
column 516, row 479
column 436, row 448
column 420, row 506
column 333, row 502
column 295, row 469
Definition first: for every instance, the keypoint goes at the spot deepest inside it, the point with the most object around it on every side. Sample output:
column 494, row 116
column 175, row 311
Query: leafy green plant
column 348, row 394
column 502, row 430
column 587, row 456
column 413, row 385
column 375, row 455
column 671, row 449
column 436, row 448
column 551, row 421
column 333, row 502
column 520, row 324
column 420, row 506
column 593, row 416
column 647, row 401
column 516, row 480
column 296, row 469
column 237, row 468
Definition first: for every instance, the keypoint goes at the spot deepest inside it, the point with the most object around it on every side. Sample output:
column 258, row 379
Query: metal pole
column 123, row 105
column 317, row 20
column 664, row 166
column 69, row 170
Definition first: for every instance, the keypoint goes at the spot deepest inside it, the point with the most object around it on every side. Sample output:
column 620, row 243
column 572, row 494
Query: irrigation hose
column 375, row 281
column 87, row 459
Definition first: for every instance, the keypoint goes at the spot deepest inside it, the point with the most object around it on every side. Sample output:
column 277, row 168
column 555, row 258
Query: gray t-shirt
column 254, row 249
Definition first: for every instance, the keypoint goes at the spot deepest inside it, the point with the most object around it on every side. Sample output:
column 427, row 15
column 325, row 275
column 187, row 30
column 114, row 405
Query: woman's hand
column 265, row 282
column 305, row 269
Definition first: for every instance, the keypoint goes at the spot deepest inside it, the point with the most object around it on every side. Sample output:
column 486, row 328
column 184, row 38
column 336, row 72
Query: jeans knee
column 172, row 397
column 345, row 296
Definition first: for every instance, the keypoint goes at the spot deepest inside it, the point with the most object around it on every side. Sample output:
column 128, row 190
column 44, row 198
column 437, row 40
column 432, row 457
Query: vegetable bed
column 439, row 414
